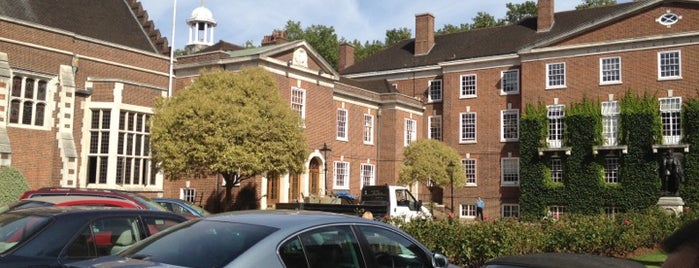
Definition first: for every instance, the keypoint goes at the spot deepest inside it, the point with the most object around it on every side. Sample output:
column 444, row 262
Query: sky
column 239, row 21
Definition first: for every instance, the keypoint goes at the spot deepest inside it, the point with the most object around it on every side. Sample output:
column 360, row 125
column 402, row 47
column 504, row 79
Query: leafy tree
column 595, row 3
column 485, row 20
column 179, row 52
column 293, row 30
column 361, row 51
column 428, row 160
column 322, row 38
column 517, row 12
column 396, row 35
column 232, row 124
column 450, row 28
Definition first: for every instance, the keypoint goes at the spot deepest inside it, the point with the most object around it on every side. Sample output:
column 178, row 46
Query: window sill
column 610, row 83
column 660, row 79
column 502, row 93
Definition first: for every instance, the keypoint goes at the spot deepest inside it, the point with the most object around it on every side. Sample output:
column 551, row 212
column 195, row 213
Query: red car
column 142, row 202
column 69, row 201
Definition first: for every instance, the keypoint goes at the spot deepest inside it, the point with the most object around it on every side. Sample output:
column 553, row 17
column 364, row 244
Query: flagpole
column 172, row 49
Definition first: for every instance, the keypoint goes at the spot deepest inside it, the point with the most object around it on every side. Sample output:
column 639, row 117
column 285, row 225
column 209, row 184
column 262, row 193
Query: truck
column 379, row 201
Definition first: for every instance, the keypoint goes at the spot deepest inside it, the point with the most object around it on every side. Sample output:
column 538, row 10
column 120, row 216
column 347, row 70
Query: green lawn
column 652, row 260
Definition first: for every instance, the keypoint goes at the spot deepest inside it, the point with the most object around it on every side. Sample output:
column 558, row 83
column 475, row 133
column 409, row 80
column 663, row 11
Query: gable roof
column 485, row 42
column 108, row 20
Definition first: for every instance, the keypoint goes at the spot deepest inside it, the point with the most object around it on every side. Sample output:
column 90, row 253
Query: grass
column 651, row 260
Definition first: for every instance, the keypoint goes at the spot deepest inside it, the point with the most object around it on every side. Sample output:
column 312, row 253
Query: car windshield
column 25, row 204
column 15, row 228
column 208, row 243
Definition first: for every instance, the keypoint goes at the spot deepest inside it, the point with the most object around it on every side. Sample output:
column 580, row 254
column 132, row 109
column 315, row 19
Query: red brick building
column 77, row 92
column 467, row 89
column 475, row 84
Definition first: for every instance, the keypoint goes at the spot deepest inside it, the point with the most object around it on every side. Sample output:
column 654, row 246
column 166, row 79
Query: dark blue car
column 57, row 236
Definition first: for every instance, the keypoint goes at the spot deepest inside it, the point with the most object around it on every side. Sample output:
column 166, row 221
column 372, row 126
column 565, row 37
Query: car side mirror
column 439, row 261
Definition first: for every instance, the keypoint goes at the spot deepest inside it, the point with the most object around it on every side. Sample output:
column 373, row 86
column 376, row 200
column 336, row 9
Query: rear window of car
column 209, row 243
column 16, row 228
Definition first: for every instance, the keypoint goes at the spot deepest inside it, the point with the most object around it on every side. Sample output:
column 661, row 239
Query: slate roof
column 221, row 46
column 484, row 42
column 377, row 86
column 108, row 20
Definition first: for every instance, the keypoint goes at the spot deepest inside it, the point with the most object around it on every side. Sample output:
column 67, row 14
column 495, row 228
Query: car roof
column 554, row 260
column 281, row 218
column 55, row 199
column 140, row 200
column 75, row 210
column 174, row 200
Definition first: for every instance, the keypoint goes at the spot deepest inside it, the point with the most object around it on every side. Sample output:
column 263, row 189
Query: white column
column 190, row 41
column 206, row 34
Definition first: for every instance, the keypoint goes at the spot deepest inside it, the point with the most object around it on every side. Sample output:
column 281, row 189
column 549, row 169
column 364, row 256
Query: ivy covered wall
column 583, row 188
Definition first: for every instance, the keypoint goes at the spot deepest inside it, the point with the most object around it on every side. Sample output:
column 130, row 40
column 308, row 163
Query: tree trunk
column 230, row 179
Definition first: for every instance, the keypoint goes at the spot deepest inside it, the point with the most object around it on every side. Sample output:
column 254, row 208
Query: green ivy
column 689, row 190
column 13, row 185
column 584, row 190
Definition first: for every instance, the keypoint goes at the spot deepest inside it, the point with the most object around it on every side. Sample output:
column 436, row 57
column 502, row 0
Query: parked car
column 180, row 206
column 67, row 201
column 56, row 236
column 143, row 202
column 555, row 260
column 276, row 238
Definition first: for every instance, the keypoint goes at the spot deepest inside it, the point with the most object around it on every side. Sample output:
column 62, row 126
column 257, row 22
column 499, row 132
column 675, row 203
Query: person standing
column 479, row 208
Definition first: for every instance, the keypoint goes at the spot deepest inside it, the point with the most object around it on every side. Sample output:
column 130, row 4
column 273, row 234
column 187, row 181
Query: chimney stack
column 544, row 19
column 424, row 33
column 346, row 56
column 277, row 37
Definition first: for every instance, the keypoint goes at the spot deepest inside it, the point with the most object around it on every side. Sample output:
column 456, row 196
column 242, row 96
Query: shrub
column 13, row 185
column 472, row 244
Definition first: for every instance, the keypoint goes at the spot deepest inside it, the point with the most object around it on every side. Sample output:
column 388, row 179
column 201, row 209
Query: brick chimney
column 424, row 33
column 346, row 56
column 277, row 37
column 544, row 20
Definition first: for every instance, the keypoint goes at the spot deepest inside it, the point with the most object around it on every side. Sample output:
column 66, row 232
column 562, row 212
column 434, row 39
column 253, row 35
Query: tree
column 428, row 160
column 232, row 124
column 362, row 51
column 595, row 3
column 322, row 38
column 450, row 28
column 396, row 35
column 517, row 12
column 485, row 20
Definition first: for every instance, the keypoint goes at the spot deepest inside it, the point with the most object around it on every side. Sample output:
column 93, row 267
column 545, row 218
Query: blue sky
column 239, row 20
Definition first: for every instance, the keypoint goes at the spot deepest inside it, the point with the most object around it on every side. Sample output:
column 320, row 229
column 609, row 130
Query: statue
column 671, row 172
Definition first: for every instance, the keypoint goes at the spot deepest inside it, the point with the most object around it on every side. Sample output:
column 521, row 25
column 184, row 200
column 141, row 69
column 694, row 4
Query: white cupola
column 201, row 28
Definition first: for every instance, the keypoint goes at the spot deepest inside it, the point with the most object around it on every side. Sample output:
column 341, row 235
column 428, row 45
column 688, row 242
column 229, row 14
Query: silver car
column 277, row 238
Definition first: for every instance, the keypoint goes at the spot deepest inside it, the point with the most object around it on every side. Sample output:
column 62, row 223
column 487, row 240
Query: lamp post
column 325, row 151
column 451, row 182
